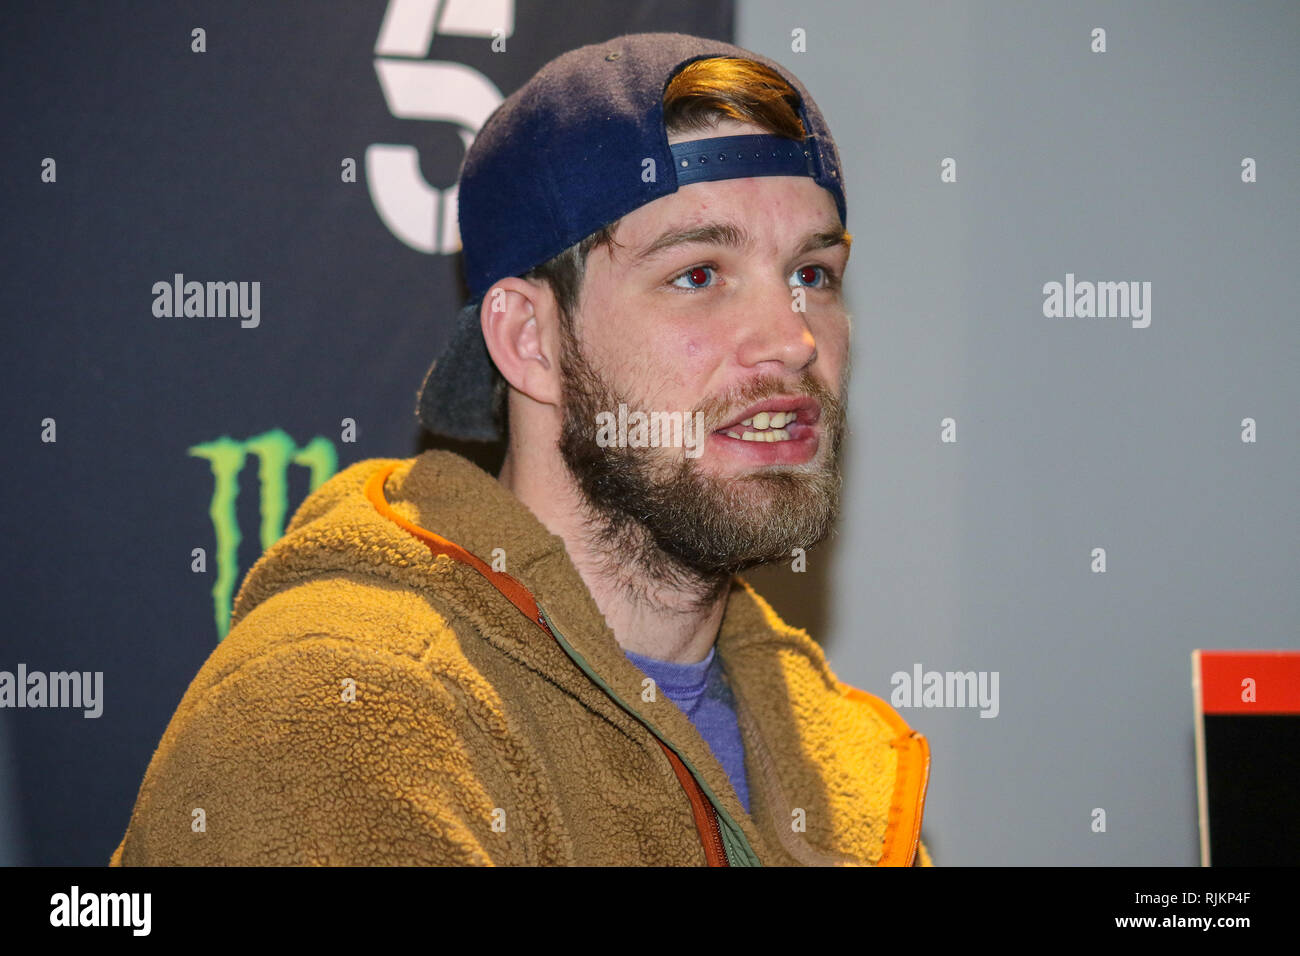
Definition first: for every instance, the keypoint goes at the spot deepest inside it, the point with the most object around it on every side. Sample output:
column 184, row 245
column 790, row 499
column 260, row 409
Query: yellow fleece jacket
column 379, row 703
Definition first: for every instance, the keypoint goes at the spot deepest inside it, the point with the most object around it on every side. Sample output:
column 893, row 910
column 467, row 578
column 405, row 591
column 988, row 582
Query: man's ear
column 519, row 320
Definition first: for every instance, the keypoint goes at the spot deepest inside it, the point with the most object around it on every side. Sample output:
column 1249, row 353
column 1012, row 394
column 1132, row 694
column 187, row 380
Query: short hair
column 701, row 94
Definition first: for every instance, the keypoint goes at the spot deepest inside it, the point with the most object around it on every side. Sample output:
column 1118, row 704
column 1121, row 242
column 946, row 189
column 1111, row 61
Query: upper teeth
column 767, row 426
column 770, row 420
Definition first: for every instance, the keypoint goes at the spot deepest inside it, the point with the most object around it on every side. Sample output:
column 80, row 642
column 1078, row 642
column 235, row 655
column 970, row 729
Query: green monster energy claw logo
column 275, row 452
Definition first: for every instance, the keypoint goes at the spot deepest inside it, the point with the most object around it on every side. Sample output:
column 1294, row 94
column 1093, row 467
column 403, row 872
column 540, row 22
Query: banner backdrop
column 230, row 237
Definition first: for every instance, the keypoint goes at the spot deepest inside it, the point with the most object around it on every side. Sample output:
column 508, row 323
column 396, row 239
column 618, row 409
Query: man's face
column 722, row 298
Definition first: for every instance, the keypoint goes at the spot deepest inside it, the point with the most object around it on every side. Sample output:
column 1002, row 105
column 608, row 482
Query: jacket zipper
column 715, row 831
column 715, row 848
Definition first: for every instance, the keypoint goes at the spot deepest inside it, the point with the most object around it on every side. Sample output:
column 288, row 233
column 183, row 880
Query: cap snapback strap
column 736, row 157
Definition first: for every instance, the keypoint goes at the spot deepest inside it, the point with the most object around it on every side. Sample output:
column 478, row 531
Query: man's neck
column 654, row 606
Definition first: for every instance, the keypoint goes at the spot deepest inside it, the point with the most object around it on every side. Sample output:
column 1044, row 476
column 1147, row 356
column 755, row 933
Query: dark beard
column 674, row 525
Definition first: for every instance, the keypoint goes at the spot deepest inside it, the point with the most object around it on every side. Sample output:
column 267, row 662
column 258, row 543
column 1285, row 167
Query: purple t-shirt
column 703, row 695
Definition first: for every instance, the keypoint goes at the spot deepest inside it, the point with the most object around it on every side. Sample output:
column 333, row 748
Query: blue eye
column 699, row 277
column 810, row 276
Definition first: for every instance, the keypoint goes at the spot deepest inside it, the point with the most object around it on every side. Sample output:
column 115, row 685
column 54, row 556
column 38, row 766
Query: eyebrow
column 735, row 237
column 826, row 239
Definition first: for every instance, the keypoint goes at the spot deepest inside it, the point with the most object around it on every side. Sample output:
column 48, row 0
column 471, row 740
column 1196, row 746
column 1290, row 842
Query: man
column 558, row 665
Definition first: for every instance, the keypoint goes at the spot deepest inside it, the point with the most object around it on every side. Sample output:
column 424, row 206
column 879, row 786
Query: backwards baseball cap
column 580, row 145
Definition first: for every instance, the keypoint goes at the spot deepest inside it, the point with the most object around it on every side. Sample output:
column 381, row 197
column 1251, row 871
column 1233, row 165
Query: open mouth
column 775, row 420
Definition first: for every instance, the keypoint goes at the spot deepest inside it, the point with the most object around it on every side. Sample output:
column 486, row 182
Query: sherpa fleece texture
column 473, row 737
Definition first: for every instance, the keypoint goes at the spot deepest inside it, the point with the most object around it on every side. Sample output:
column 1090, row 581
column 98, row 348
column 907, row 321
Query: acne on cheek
column 681, row 373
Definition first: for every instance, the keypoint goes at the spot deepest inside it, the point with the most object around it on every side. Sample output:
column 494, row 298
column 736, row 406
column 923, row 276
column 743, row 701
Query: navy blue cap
column 566, row 155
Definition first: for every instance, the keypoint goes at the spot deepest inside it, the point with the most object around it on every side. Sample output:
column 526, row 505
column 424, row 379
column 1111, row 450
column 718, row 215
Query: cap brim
column 456, row 399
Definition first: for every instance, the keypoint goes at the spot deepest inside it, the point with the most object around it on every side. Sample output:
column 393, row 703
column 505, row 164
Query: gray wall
column 1072, row 433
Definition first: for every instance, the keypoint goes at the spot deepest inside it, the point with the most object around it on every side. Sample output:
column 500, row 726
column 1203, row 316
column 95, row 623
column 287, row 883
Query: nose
column 775, row 332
